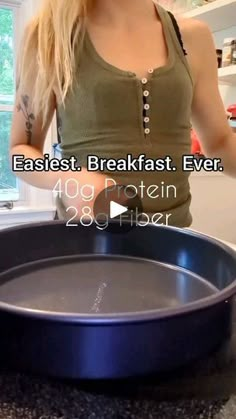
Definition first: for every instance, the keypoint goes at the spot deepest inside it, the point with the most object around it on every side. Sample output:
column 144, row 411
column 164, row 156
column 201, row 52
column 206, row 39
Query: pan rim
column 121, row 318
column 222, row 296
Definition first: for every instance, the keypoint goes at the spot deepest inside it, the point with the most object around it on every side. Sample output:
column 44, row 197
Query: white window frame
column 14, row 5
column 33, row 204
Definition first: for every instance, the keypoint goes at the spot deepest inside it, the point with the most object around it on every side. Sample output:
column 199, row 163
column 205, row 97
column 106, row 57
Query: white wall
column 214, row 206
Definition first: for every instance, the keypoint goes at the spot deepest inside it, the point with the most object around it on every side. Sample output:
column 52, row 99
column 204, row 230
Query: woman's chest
column 108, row 101
column 134, row 51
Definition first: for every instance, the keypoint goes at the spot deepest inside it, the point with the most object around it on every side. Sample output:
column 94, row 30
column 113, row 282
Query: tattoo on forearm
column 24, row 108
column 17, row 84
column 59, row 128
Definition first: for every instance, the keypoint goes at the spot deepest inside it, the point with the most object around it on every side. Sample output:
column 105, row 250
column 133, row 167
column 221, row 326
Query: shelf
column 227, row 75
column 219, row 15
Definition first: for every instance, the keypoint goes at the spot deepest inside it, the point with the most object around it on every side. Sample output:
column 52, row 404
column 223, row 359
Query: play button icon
column 117, row 209
column 117, row 206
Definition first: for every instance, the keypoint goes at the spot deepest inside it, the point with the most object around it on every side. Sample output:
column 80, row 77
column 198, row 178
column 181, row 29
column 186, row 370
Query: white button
column 146, row 120
column 146, row 106
column 150, row 70
column 146, row 93
column 147, row 131
column 144, row 81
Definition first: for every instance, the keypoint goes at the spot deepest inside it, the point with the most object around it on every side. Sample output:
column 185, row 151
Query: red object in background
column 196, row 147
column 232, row 110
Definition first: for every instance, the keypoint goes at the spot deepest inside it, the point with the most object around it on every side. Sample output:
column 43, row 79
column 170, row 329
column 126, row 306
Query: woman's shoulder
column 194, row 30
column 197, row 41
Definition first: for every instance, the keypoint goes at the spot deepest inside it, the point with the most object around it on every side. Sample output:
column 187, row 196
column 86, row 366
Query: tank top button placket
column 146, row 106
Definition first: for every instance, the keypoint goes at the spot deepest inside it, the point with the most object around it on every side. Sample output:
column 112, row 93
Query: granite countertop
column 25, row 397
column 207, row 390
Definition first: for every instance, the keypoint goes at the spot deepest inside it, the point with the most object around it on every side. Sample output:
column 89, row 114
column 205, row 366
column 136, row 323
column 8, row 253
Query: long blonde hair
column 47, row 59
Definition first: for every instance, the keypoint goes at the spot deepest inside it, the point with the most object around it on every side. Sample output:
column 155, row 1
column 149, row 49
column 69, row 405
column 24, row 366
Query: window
column 14, row 14
column 9, row 185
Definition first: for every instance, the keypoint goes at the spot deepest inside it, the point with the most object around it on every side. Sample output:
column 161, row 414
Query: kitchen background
column 214, row 195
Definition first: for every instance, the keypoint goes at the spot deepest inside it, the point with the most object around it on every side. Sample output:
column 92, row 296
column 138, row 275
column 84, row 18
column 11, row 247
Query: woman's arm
column 28, row 137
column 208, row 112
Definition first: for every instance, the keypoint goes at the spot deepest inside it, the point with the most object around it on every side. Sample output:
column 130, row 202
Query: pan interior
column 101, row 284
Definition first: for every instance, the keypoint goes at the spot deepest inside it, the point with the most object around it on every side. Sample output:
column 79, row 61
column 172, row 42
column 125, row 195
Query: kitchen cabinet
column 227, row 75
column 218, row 14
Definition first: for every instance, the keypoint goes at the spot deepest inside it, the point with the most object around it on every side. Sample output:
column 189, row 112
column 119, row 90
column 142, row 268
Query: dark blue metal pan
column 78, row 302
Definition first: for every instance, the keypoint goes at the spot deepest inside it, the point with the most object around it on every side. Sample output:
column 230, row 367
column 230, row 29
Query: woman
column 125, row 77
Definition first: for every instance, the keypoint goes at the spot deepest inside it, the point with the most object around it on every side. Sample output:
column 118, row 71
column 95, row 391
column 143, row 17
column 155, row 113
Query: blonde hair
column 47, row 60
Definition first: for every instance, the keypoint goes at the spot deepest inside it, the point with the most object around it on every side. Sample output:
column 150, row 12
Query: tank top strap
column 169, row 20
column 177, row 31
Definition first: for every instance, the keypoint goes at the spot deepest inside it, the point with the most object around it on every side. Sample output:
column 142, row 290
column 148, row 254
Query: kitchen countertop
column 30, row 398
column 205, row 391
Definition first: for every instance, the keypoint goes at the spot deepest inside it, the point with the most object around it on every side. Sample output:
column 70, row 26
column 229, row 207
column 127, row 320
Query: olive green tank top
column 111, row 113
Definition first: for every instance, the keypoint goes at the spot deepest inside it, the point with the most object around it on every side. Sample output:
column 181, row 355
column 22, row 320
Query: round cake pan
column 78, row 302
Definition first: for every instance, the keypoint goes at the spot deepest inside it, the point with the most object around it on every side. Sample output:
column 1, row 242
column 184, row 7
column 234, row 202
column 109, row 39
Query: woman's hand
column 80, row 190
column 91, row 194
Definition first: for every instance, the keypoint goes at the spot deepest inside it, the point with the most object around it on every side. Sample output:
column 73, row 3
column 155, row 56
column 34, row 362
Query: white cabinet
column 219, row 14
